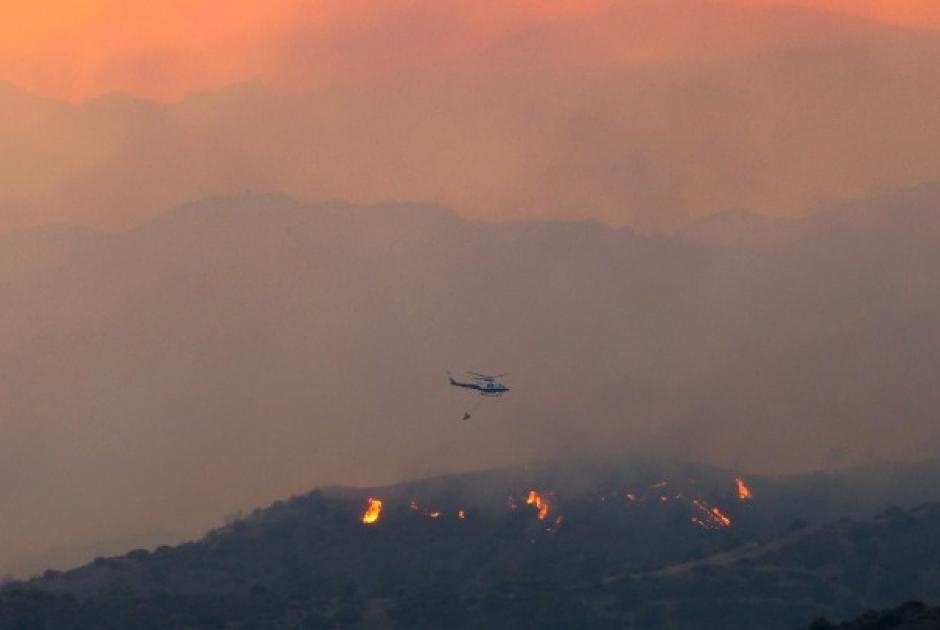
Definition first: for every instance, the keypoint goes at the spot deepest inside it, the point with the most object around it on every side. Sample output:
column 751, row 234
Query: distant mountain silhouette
column 737, row 229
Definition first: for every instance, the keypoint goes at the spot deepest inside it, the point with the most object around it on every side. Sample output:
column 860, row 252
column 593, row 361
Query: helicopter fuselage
column 486, row 388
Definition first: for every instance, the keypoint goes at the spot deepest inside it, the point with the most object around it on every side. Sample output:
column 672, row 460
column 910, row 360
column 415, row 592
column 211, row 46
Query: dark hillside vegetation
column 910, row 616
column 613, row 543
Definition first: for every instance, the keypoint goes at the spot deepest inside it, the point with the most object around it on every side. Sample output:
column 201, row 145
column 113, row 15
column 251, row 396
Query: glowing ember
column 461, row 515
column 709, row 517
column 720, row 517
column 540, row 504
column 631, row 497
column 372, row 512
column 744, row 493
column 429, row 513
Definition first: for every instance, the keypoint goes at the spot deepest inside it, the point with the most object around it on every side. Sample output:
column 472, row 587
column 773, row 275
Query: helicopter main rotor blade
column 487, row 377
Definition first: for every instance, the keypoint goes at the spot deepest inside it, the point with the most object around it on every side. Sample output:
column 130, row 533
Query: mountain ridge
column 611, row 558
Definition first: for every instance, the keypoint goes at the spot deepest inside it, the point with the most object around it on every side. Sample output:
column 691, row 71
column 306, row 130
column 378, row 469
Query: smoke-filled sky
column 171, row 365
column 76, row 49
column 651, row 114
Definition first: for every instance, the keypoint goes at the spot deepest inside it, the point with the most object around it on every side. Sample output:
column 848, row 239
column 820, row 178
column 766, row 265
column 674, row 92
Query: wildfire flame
column 372, row 512
column 720, row 517
column 744, row 493
column 540, row 504
column 702, row 514
column 710, row 517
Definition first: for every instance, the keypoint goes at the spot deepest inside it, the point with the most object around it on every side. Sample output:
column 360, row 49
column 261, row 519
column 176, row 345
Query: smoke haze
column 701, row 229
column 774, row 110
column 77, row 49
column 237, row 350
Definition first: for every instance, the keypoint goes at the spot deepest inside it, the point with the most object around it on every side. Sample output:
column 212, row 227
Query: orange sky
column 79, row 48
column 75, row 49
column 911, row 13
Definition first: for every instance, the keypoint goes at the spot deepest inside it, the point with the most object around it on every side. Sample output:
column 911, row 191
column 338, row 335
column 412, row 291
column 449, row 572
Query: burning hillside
column 549, row 545
column 545, row 505
column 567, row 523
column 300, row 564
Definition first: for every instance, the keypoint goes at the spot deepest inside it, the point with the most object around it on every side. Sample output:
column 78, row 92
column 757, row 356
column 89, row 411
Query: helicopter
column 485, row 384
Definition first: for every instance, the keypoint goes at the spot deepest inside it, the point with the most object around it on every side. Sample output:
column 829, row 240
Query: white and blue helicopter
column 487, row 385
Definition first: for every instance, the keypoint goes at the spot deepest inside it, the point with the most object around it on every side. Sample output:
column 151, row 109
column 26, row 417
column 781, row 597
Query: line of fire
column 544, row 505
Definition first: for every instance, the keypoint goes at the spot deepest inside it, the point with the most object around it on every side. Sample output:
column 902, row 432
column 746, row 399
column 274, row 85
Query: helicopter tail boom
column 466, row 385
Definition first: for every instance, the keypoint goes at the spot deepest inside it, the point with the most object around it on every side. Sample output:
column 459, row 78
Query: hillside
column 837, row 570
column 910, row 616
column 618, row 543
